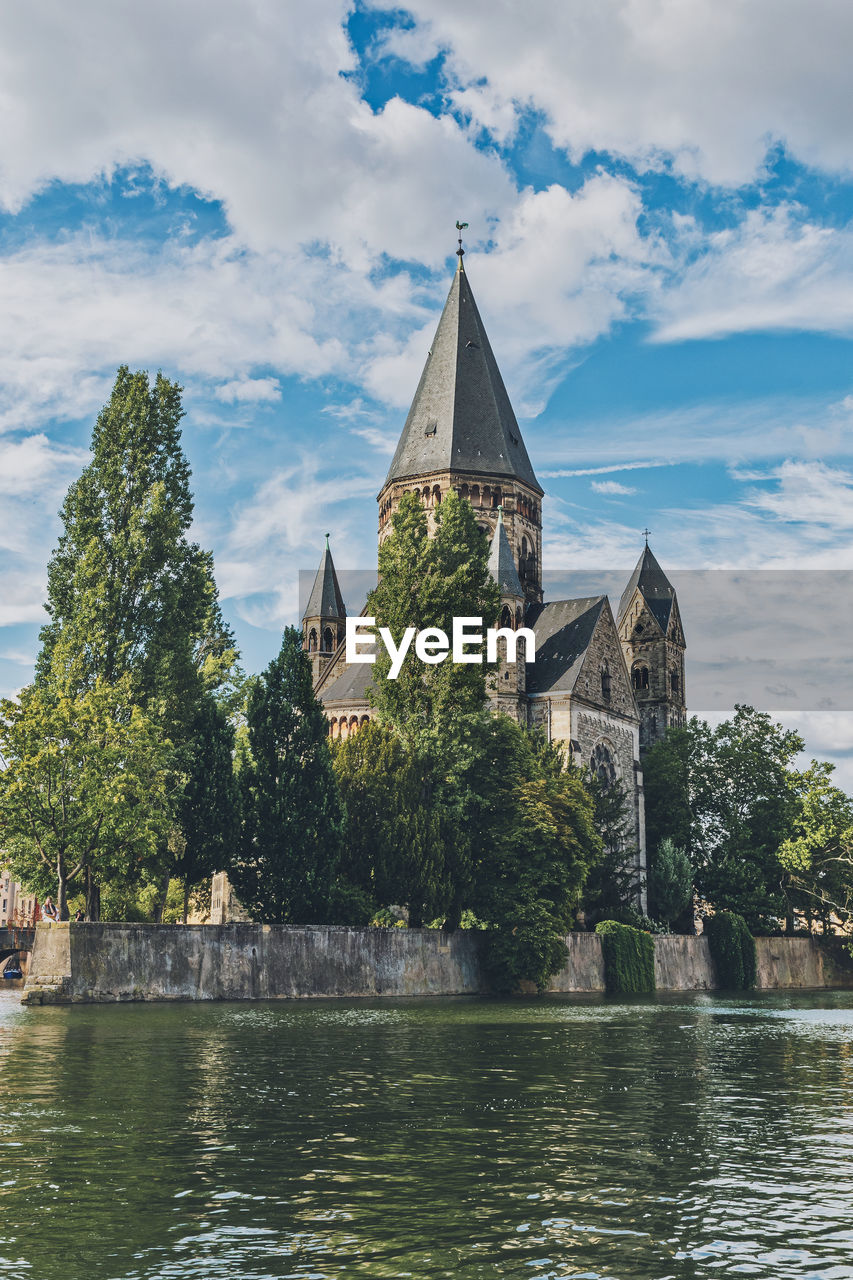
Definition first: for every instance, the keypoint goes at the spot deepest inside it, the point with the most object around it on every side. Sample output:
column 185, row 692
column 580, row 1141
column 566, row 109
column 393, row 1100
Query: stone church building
column 607, row 688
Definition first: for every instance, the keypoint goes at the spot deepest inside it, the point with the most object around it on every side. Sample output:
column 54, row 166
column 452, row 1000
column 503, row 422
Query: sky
column 259, row 198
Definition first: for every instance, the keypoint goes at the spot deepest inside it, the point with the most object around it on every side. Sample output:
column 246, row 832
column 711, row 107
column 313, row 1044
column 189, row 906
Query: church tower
column 324, row 618
column 461, row 433
column 652, row 639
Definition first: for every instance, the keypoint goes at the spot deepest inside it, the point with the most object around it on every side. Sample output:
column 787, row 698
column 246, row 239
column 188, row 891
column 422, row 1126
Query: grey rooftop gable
column 655, row 587
column 325, row 600
column 461, row 418
column 563, row 630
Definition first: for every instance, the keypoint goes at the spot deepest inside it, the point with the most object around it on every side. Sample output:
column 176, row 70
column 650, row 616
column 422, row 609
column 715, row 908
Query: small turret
column 653, row 643
column 510, row 680
column 324, row 619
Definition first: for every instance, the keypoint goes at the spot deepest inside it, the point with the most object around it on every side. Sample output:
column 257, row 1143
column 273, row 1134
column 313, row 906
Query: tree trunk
column 61, row 892
column 164, row 893
column 93, row 897
column 186, row 899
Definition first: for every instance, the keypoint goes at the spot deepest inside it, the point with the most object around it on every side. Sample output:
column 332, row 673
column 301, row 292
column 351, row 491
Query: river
column 682, row 1136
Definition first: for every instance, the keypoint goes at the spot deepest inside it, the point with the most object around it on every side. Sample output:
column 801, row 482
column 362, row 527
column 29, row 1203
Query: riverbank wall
column 104, row 963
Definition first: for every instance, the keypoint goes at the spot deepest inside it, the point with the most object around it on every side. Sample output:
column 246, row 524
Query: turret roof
column 502, row 562
column 657, row 591
column 325, row 600
column 461, row 418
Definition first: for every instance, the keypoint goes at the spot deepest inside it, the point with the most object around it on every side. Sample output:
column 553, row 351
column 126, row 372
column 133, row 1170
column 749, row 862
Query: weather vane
column 460, row 252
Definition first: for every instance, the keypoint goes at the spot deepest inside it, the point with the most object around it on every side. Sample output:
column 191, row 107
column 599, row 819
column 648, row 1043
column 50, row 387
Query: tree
column 724, row 795
column 817, row 853
column 293, row 818
column 209, row 806
column 132, row 602
column 395, row 848
column 612, row 889
column 425, row 582
column 535, row 841
column 670, row 882
column 85, row 784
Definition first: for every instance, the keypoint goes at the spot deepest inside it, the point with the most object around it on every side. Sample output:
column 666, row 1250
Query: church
column 607, row 688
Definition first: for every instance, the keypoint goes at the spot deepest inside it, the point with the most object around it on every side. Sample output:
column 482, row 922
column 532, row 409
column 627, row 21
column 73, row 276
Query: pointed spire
column 325, row 600
column 657, row 591
column 461, row 418
column 502, row 562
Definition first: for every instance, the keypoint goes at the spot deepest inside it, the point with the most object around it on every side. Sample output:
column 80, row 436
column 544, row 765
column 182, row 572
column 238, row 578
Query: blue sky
column 259, row 198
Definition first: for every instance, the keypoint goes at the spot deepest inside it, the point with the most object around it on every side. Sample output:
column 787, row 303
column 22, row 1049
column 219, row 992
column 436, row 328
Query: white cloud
column 775, row 270
column 255, row 105
column 611, row 488
column 733, row 432
column 249, row 391
column 562, row 270
column 705, row 86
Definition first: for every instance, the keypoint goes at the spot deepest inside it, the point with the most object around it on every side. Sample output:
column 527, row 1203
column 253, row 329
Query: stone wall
column 109, row 962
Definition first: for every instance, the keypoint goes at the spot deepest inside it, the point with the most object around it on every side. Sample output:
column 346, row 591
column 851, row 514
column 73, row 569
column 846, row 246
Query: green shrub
column 732, row 950
column 629, row 958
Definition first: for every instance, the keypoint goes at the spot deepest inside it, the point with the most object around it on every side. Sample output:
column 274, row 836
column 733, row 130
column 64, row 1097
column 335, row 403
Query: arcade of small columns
column 342, row 727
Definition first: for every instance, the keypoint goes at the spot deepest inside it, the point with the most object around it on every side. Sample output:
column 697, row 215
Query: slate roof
column 563, row 630
column 656, row 589
column 461, row 418
column 351, row 686
column 502, row 562
column 325, row 600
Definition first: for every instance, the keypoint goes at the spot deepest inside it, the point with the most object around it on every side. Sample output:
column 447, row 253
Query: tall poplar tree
column 293, row 818
column 425, row 581
column 131, row 598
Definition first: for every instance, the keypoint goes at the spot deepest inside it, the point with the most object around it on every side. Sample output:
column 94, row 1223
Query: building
column 607, row 689
column 17, row 907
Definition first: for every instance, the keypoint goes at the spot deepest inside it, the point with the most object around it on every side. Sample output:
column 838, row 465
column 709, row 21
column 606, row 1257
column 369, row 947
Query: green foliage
column 209, row 806
column 533, row 843
column 724, row 795
column 85, row 784
column 612, row 888
column 817, row 853
column 670, row 882
column 629, row 959
column 293, row 818
column 732, row 950
column 398, row 821
column 132, row 601
column 425, row 582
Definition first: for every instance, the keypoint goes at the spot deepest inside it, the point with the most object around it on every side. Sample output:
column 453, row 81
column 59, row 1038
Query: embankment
column 74, row 963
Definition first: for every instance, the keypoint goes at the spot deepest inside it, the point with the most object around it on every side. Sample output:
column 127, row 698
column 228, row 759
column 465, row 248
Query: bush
column 732, row 950
column 629, row 959
column 531, row 951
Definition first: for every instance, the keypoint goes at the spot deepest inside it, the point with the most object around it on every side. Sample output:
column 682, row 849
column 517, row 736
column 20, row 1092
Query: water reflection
column 682, row 1137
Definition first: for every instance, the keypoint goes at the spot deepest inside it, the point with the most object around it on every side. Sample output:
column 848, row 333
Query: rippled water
column 682, row 1137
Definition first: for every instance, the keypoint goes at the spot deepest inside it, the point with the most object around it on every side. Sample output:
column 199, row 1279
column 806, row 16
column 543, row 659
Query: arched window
column 517, row 616
column 640, row 677
column 506, row 618
column 673, row 681
column 328, row 640
column 605, row 682
column 364, row 720
column 475, row 495
column 436, row 496
column 312, row 641
column 464, row 492
column 602, row 766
